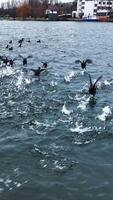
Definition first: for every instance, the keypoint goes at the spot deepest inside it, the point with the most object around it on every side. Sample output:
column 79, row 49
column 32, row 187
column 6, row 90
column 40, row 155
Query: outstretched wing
column 21, row 56
column 97, row 80
column 78, row 61
column 90, row 80
column 41, row 70
column 33, row 70
column 30, row 56
column 88, row 61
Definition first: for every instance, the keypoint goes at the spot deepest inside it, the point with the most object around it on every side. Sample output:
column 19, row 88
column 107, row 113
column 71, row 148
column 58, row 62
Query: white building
column 93, row 8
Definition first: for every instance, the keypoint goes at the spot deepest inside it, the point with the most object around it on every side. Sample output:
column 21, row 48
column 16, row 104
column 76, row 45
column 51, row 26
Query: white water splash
column 53, row 83
column 65, row 110
column 7, row 71
column 80, row 129
column 27, row 81
column 106, row 111
column 106, row 82
column 20, row 80
column 83, row 104
column 69, row 77
column 85, row 142
column 83, row 72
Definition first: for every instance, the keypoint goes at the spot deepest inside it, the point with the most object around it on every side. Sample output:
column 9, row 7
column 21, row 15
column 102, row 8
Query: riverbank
column 61, row 19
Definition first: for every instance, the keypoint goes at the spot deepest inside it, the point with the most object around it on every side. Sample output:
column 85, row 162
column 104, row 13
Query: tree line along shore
column 35, row 9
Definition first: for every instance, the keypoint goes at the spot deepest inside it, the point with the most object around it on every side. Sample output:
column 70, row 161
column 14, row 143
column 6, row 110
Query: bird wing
column 88, row 61
column 30, row 56
column 33, row 70
column 21, row 56
column 78, row 61
column 90, row 80
column 97, row 80
column 41, row 70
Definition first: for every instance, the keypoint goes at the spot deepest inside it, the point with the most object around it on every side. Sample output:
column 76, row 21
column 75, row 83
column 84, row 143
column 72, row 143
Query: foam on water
column 106, row 82
column 106, row 112
column 69, row 77
column 20, row 80
column 83, row 103
column 53, row 83
column 7, row 71
column 65, row 110
column 80, row 129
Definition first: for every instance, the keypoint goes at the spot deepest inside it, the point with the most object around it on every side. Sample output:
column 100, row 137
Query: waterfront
column 53, row 143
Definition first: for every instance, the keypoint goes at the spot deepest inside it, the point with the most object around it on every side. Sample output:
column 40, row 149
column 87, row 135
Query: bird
column 20, row 41
column 20, row 45
column 10, row 48
column 28, row 40
column 10, row 42
column 38, row 41
column 7, row 46
column 83, row 63
column 93, row 86
column 45, row 64
column 25, row 59
column 37, row 71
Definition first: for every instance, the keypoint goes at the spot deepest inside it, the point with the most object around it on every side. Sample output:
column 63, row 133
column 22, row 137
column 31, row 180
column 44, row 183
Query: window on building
column 95, row 10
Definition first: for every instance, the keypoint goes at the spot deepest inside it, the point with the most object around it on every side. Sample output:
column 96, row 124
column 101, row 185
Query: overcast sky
column 3, row 1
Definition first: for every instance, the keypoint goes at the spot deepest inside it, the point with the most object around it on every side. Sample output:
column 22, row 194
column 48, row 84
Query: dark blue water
column 54, row 143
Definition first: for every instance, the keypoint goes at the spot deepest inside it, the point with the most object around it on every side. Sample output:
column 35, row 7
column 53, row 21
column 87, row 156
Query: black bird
column 20, row 45
column 45, row 64
column 21, row 40
column 37, row 71
column 7, row 46
column 10, row 48
column 83, row 63
column 38, row 41
column 93, row 86
column 10, row 42
column 28, row 40
column 24, row 59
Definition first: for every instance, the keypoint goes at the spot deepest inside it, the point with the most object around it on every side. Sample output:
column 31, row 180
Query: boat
column 89, row 19
column 103, row 18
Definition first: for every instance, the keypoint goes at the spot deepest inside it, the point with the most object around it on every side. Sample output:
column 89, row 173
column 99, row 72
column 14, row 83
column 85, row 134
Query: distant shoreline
column 46, row 20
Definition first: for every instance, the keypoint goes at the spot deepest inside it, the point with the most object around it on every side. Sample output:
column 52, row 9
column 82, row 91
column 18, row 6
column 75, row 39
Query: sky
column 4, row 1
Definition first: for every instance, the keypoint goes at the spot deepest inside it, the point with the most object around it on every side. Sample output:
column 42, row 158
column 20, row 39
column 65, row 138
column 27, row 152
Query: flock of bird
column 10, row 62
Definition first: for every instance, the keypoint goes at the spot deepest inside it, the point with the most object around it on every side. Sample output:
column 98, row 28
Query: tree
column 23, row 10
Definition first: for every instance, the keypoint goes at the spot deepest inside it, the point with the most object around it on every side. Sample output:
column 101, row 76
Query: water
column 54, row 143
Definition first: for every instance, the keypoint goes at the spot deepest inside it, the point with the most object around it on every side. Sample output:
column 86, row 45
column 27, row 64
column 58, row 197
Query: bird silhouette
column 10, row 48
column 45, row 64
column 38, row 71
column 83, row 63
column 25, row 59
column 93, row 86
column 10, row 42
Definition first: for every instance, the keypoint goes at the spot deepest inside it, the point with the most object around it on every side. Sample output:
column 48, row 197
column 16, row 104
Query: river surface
column 56, row 142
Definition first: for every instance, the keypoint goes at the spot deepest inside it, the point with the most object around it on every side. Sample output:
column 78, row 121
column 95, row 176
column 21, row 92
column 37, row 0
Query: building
column 93, row 8
column 52, row 13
